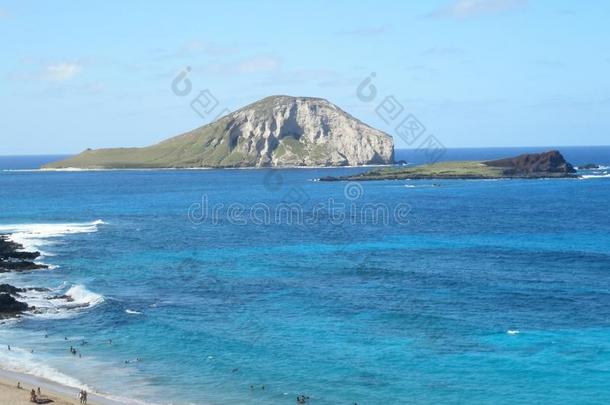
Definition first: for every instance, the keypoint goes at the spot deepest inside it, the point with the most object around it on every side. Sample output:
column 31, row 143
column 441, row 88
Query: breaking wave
column 35, row 236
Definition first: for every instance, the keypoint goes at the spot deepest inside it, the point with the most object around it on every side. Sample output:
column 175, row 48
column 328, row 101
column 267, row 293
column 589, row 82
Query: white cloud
column 62, row 71
column 47, row 71
column 257, row 64
column 196, row 48
column 253, row 65
column 319, row 77
column 3, row 13
column 462, row 9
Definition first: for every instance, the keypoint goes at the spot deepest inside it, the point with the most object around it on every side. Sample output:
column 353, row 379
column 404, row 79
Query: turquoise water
column 485, row 292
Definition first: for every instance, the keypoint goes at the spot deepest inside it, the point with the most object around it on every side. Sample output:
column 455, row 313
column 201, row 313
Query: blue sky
column 475, row 72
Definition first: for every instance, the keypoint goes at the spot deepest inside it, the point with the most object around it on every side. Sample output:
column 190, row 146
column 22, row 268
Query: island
column 277, row 131
column 549, row 164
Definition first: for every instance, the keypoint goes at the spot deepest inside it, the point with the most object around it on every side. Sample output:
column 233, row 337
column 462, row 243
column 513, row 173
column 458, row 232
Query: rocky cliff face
column 275, row 131
column 299, row 131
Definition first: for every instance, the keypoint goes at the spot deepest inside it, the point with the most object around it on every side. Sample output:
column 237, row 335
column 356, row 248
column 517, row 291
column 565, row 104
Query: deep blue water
column 493, row 292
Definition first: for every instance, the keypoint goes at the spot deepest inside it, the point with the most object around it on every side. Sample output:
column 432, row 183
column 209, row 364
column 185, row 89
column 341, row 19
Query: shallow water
column 488, row 292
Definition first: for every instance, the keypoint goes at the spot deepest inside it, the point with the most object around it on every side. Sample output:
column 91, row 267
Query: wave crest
column 34, row 236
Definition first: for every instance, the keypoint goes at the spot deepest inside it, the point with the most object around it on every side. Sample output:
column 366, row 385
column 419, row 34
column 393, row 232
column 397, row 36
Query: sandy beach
column 58, row 394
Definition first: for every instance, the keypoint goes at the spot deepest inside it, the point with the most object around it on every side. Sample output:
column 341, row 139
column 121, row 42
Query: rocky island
column 277, row 131
column 528, row 166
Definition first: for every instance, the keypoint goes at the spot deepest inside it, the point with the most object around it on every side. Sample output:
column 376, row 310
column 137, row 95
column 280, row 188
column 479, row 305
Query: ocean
column 256, row 286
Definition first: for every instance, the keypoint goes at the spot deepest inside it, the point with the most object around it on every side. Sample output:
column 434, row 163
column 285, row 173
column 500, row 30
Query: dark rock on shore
column 6, row 266
column 62, row 297
column 330, row 178
column 551, row 162
column 9, row 289
column 9, row 306
column 13, row 258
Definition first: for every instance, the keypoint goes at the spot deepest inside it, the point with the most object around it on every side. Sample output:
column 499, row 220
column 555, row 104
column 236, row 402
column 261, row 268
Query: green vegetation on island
column 274, row 132
column 543, row 165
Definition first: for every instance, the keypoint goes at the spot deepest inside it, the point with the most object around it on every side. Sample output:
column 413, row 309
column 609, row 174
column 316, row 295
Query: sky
column 474, row 73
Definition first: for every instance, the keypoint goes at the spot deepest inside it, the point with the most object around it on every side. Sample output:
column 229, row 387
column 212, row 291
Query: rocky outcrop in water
column 589, row 166
column 13, row 258
column 9, row 289
column 10, row 307
column 530, row 166
column 533, row 164
column 273, row 132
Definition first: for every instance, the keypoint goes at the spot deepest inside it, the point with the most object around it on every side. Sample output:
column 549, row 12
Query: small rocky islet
column 549, row 164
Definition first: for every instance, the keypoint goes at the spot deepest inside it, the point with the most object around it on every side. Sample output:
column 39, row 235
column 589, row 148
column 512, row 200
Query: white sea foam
column 35, row 236
column 57, row 304
column 421, row 185
column 595, row 176
column 600, row 167
column 22, row 361
column 132, row 312
column 84, row 297
column 512, row 332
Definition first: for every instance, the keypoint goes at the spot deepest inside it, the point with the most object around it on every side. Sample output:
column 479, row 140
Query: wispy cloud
column 53, row 72
column 367, row 31
column 317, row 77
column 257, row 64
column 463, row 9
column 197, row 47
column 62, row 71
column 3, row 13
column 250, row 65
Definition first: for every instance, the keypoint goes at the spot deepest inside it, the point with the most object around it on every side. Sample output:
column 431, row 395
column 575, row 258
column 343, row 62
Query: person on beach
column 80, row 396
column 18, row 385
column 84, row 396
column 33, row 397
column 38, row 391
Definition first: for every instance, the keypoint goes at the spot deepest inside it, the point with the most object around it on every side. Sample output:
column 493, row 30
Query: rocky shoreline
column 13, row 258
